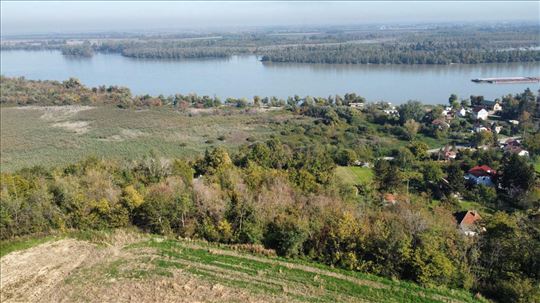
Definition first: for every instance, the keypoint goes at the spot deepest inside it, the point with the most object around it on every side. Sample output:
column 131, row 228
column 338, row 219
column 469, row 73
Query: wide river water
column 245, row 76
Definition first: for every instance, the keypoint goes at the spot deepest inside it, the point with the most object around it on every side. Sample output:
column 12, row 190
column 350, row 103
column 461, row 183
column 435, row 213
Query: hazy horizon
column 25, row 18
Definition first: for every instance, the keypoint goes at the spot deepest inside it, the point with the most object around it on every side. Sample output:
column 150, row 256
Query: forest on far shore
column 440, row 44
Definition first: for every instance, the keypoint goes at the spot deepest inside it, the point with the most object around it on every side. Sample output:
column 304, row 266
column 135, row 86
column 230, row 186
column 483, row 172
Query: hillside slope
column 135, row 268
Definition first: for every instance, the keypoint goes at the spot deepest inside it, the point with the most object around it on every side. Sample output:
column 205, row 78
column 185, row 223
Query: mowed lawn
column 537, row 165
column 354, row 175
column 50, row 136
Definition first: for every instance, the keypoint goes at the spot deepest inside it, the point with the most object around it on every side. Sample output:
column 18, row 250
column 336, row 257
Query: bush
column 286, row 235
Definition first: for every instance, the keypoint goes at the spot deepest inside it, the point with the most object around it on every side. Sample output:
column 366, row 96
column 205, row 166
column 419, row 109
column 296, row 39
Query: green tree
column 419, row 149
column 532, row 143
column 452, row 98
column 387, row 176
column 455, row 178
column 517, row 180
column 286, row 234
column 510, row 250
column 405, row 158
column 412, row 128
column 346, row 157
column 411, row 110
column 213, row 160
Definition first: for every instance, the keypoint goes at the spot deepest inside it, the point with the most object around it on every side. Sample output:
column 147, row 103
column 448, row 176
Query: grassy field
column 59, row 135
column 213, row 272
column 19, row 244
column 354, row 175
column 537, row 165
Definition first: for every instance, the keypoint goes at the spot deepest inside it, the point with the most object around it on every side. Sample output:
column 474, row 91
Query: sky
column 34, row 17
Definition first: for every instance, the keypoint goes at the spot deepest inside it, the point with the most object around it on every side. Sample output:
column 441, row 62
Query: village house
column 361, row 163
column 467, row 222
column 514, row 146
column 496, row 128
column 440, row 123
column 480, row 113
column 481, row 175
column 462, row 112
column 391, row 112
column 447, row 154
column 481, row 128
column 491, row 106
column 449, row 113
column 358, row 105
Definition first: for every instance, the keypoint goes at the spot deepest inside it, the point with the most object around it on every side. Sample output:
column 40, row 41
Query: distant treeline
column 419, row 53
column 429, row 45
column 180, row 53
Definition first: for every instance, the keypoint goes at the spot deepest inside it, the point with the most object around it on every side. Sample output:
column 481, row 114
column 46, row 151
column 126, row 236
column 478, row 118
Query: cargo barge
column 507, row 80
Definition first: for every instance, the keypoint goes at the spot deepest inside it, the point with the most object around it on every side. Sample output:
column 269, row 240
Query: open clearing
column 354, row 174
column 130, row 267
column 56, row 135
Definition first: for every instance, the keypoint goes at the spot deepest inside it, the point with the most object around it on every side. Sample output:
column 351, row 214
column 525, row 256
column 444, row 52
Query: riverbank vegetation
column 81, row 50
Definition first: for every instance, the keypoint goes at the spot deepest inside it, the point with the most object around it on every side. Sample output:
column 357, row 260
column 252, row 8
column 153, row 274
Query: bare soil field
column 49, row 272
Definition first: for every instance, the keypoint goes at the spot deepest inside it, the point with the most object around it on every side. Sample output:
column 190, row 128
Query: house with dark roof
column 481, row 175
column 467, row 222
column 491, row 106
column 514, row 146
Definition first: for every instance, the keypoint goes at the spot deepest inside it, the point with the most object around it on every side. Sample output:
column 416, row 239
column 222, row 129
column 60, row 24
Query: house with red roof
column 481, row 175
column 467, row 222
column 447, row 154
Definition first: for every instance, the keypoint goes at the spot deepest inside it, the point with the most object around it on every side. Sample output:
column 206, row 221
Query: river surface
column 245, row 76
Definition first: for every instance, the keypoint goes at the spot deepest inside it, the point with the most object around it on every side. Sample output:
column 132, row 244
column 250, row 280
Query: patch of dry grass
column 51, row 135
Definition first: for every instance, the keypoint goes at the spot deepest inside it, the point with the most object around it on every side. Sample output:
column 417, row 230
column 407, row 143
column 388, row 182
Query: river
column 245, row 76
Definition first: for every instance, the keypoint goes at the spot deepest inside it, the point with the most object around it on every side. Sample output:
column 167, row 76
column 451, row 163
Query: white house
column 462, row 112
column 480, row 114
column 497, row 128
column 358, row 105
column 523, row 153
column 480, row 129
